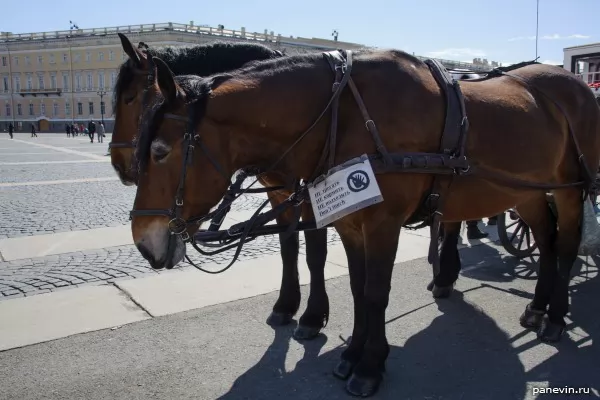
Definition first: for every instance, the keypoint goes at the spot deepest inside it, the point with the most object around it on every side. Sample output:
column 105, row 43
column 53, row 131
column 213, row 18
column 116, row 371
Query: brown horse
column 206, row 60
column 537, row 125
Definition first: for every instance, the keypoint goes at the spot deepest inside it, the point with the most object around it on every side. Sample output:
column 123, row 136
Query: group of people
column 90, row 130
column 72, row 130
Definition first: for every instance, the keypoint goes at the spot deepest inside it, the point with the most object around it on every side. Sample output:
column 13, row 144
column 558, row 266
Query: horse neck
column 264, row 117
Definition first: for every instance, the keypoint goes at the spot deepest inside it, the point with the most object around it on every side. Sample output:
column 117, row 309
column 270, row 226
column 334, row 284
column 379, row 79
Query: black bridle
column 149, row 81
column 178, row 225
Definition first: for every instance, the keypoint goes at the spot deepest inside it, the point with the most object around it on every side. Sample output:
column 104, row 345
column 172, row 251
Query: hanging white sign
column 345, row 189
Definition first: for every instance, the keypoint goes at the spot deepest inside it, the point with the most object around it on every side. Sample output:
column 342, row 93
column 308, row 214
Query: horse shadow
column 462, row 354
column 488, row 264
column 575, row 363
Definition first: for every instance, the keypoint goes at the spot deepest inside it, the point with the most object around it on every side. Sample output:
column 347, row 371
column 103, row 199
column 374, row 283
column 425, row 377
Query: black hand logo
column 358, row 181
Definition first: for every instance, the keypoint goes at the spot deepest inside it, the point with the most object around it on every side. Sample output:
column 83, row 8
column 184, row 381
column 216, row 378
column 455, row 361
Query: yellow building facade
column 51, row 79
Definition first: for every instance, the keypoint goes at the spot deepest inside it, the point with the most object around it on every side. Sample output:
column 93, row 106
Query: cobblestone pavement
column 47, row 274
column 51, row 172
column 35, row 210
column 46, row 209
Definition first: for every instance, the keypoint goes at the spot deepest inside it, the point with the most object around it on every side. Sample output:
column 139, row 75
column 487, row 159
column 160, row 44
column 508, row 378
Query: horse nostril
column 117, row 169
column 147, row 254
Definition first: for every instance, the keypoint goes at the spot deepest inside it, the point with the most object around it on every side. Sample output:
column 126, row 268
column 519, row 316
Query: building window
column 113, row 79
column 19, row 109
column 80, row 108
column 41, row 81
column 55, row 109
column 101, row 80
column 17, row 83
column 88, row 56
column 100, row 56
column 111, row 55
column 67, row 109
column 30, row 109
column 91, row 107
column 77, row 57
column 53, row 81
column 27, row 60
column 65, row 58
column 65, row 82
column 51, row 58
column 42, row 109
column 29, row 82
column 90, row 81
column 102, row 108
column 40, row 60
column 8, row 110
column 5, row 83
column 16, row 61
column 4, row 61
column 78, row 82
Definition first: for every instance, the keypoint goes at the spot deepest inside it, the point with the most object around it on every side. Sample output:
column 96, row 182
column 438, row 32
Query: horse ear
column 165, row 79
column 129, row 50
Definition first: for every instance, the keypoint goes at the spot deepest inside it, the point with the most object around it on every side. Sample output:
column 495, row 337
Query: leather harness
column 445, row 165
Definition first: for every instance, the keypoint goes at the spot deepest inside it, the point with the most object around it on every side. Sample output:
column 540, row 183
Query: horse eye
column 129, row 99
column 159, row 151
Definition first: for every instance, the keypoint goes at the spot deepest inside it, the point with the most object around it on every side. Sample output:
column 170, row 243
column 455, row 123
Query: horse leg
column 570, row 209
column 288, row 302
column 355, row 253
column 450, row 266
column 316, row 314
column 381, row 245
column 538, row 215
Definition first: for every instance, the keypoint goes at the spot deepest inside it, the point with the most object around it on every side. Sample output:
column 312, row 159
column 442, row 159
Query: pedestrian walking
column 101, row 132
column 68, row 129
column 10, row 130
column 33, row 134
column 92, row 130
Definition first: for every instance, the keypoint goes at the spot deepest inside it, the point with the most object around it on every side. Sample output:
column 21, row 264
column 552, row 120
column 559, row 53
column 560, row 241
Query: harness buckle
column 179, row 202
column 177, row 226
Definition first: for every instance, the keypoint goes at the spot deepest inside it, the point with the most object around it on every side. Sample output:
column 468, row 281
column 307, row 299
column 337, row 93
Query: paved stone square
column 186, row 334
column 43, row 191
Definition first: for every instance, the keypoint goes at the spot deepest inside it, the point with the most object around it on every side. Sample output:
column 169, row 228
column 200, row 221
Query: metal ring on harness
column 177, row 226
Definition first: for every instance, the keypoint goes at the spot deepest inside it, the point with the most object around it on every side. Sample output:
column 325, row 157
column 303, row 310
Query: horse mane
column 203, row 60
column 197, row 88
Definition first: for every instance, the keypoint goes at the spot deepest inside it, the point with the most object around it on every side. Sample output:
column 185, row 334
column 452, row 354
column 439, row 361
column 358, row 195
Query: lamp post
column 72, row 89
column 101, row 93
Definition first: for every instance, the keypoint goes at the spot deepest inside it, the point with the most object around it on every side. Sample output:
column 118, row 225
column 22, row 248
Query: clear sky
column 502, row 30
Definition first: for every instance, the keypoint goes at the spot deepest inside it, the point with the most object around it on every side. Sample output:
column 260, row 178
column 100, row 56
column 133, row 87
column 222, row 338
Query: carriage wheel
column 515, row 235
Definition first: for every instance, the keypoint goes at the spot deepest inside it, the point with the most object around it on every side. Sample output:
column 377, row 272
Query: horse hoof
column 531, row 319
column 362, row 386
column 430, row 286
column 306, row 332
column 442, row 292
column 550, row 332
column 279, row 319
column 343, row 370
